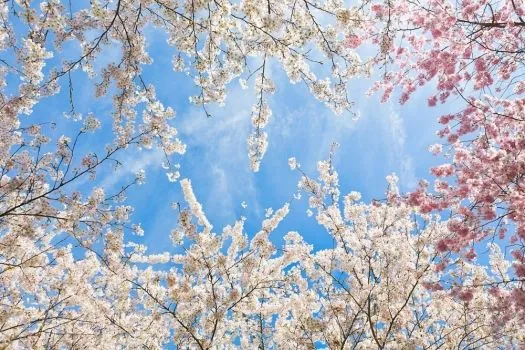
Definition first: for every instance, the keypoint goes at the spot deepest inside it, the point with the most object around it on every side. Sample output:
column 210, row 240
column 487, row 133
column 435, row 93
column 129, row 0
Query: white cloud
column 397, row 134
column 217, row 153
column 133, row 162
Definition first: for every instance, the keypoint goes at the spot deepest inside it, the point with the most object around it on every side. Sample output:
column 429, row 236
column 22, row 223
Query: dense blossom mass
column 439, row 267
column 474, row 52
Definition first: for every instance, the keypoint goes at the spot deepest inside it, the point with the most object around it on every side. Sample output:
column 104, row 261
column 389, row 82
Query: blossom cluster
column 471, row 52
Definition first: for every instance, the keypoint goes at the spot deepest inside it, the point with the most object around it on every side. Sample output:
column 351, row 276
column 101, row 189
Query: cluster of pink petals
column 472, row 52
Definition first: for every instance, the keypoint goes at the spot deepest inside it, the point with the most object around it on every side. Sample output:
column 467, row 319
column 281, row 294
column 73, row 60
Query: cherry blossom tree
column 225, row 289
column 69, row 278
column 50, row 297
column 214, row 43
column 471, row 52
column 384, row 283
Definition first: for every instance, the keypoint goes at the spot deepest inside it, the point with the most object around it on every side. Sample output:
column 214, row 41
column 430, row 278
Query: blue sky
column 386, row 138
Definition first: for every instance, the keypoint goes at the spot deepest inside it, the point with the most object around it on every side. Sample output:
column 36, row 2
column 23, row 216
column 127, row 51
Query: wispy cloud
column 397, row 141
column 133, row 162
column 217, row 158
